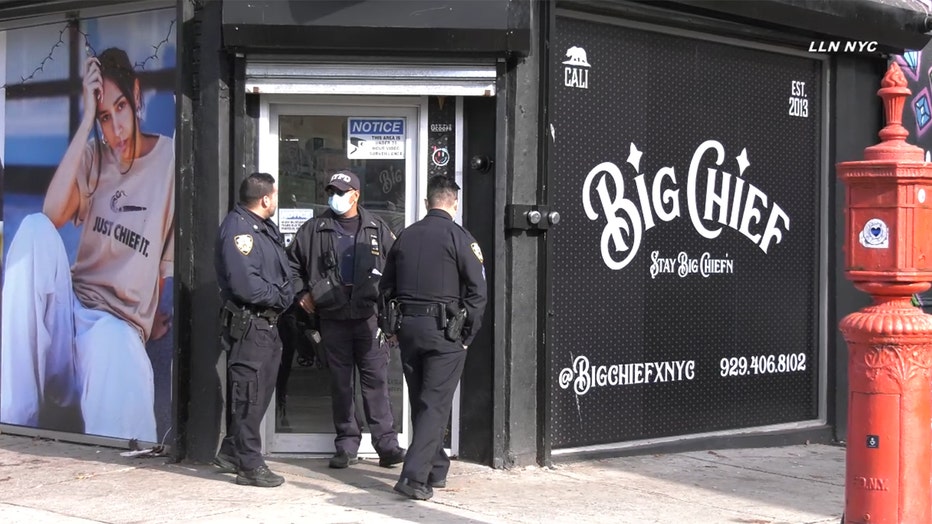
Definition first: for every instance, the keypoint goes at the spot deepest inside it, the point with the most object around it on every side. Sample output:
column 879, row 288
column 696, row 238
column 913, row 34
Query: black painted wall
column 520, row 119
column 203, row 199
column 477, row 386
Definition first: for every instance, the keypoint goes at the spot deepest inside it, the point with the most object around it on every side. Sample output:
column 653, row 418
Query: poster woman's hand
column 93, row 87
column 62, row 198
column 161, row 325
column 164, row 312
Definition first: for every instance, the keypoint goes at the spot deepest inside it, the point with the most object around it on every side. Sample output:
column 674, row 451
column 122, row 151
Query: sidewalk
column 44, row 481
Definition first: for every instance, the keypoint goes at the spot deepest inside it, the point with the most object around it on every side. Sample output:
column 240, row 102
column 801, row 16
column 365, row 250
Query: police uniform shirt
column 345, row 246
column 252, row 268
column 437, row 261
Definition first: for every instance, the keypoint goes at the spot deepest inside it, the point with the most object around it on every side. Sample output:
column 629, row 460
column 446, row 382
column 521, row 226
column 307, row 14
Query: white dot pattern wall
column 658, row 329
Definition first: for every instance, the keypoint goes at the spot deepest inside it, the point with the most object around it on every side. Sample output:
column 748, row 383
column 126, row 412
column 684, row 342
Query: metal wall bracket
column 529, row 217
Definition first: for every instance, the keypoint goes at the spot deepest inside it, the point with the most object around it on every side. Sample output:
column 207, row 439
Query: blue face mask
column 340, row 204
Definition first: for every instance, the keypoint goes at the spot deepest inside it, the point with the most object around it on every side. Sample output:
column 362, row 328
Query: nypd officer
column 337, row 260
column 255, row 285
column 434, row 275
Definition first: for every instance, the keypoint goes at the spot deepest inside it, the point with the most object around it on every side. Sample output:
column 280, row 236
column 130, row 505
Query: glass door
column 302, row 144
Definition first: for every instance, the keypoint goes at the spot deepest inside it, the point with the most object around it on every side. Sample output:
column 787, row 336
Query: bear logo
column 576, row 56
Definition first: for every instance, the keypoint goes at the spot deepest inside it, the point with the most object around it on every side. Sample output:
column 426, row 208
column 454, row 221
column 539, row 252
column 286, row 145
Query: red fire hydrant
column 888, row 236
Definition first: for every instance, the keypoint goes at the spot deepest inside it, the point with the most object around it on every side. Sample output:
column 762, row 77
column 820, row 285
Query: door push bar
column 528, row 217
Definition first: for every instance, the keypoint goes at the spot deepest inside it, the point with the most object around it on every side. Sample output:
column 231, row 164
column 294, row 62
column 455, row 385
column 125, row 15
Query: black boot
column 396, row 456
column 343, row 460
column 261, row 477
column 414, row 490
column 226, row 463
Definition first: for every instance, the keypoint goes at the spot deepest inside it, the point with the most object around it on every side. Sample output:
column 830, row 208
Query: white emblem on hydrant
column 875, row 235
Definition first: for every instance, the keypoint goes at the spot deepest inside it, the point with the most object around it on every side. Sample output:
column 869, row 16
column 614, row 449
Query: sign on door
column 371, row 138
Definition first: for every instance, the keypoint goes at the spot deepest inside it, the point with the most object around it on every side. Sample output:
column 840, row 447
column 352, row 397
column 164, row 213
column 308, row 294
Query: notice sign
column 369, row 138
column 290, row 220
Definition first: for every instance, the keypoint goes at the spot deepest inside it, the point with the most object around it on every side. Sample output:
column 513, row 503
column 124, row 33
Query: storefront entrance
column 302, row 141
column 394, row 144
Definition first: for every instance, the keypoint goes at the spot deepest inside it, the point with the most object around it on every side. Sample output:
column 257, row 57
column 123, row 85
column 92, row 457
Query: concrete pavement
column 47, row 481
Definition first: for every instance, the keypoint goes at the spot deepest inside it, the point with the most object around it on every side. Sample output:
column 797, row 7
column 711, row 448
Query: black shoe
column 396, row 456
column 261, row 477
column 225, row 463
column 439, row 484
column 343, row 460
column 414, row 490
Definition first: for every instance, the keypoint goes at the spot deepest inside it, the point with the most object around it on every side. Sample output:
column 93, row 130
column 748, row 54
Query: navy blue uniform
column 433, row 264
column 340, row 262
column 253, row 274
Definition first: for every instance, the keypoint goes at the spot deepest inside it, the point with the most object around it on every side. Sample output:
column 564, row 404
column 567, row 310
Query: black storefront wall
column 684, row 308
column 852, row 120
column 210, row 40
column 393, row 27
column 213, row 153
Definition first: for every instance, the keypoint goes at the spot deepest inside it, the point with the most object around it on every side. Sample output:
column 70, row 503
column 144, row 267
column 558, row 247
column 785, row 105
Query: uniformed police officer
column 434, row 273
column 255, row 285
column 337, row 260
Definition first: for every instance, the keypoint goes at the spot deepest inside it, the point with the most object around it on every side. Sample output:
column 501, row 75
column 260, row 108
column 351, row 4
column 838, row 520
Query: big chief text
column 729, row 201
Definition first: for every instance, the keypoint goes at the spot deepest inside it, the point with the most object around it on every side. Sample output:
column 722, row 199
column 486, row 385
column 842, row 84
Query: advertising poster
column 687, row 174
column 917, row 115
column 88, row 226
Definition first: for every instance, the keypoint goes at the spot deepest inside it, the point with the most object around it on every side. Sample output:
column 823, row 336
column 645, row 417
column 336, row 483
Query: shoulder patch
column 243, row 243
column 476, row 251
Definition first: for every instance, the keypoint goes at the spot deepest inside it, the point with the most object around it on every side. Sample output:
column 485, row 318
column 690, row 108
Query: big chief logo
column 729, row 201
column 576, row 70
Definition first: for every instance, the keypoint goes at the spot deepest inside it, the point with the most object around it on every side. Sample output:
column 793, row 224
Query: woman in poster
column 75, row 337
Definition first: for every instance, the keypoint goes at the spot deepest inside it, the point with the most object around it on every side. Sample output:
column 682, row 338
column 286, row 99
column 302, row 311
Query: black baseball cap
column 344, row 180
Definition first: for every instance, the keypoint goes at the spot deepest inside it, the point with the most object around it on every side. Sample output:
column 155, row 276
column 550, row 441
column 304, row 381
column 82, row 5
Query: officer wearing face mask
column 337, row 261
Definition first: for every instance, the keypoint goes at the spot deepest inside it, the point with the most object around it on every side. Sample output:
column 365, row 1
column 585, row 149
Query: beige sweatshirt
column 127, row 242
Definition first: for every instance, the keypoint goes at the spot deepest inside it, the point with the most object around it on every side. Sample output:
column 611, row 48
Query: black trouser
column 252, row 367
column 352, row 344
column 290, row 333
column 433, row 366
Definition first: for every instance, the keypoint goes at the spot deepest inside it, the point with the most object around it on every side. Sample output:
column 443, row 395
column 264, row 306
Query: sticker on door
column 369, row 138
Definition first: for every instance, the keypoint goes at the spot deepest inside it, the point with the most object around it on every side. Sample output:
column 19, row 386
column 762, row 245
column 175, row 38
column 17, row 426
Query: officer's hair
column 441, row 191
column 254, row 187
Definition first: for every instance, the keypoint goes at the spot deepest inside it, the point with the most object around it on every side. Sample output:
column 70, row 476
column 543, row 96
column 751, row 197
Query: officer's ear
column 426, row 204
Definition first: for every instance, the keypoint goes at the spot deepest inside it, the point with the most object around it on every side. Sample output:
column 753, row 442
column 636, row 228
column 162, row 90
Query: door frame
column 415, row 109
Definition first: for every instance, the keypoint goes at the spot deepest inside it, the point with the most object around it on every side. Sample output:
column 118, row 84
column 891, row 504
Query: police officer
column 337, row 260
column 435, row 275
column 255, row 285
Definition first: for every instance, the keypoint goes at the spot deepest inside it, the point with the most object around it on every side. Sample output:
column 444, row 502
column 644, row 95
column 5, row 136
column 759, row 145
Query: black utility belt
column 423, row 310
column 236, row 319
column 451, row 320
column 244, row 311
column 269, row 314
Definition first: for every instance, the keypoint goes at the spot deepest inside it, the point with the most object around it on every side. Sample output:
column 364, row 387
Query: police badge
column 476, row 251
column 243, row 243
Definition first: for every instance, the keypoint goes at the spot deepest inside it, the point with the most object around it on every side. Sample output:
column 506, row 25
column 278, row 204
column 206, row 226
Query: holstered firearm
column 235, row 319
column 456, row 320
column 389, row 316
